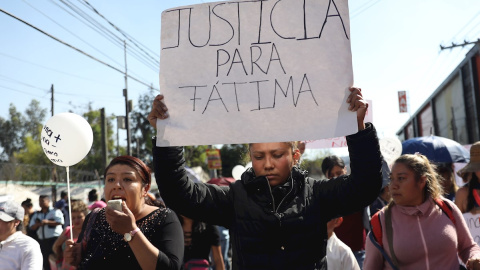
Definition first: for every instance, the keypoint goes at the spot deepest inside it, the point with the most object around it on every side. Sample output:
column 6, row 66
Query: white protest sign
column 255, row 71
column 338, row 141
column 473, row 223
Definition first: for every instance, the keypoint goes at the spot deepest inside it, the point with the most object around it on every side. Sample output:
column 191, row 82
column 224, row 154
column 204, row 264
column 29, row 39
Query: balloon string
column 69, row 203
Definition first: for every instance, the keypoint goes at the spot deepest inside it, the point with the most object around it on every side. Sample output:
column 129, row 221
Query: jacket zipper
column 275, row 212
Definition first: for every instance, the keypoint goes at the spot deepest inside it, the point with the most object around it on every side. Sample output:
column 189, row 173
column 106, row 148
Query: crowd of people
column 407, row 216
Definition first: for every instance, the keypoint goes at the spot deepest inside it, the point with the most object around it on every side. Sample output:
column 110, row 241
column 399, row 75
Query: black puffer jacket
column 289, row 233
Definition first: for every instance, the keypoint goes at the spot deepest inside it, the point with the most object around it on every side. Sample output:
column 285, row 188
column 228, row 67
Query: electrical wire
column 361, row 9
column 72, row 47
column 149, row 62
column 124, row 34
column 55, row 70
column 108, row 34
column 72, row 33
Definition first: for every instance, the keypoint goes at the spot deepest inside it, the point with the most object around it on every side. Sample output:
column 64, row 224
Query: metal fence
column 43, row 173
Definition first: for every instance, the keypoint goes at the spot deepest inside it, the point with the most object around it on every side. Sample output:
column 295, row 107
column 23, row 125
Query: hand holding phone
column 115, row 204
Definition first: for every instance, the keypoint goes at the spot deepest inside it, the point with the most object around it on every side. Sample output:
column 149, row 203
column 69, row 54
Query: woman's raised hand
column 159, row 110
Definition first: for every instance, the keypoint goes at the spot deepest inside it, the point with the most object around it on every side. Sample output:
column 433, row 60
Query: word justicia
column 221, row 23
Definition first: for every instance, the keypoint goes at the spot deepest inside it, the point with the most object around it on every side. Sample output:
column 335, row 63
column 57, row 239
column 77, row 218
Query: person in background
column 467, row 197
column 339, row 255
column 384, row 197
column 144, row 234
column 62, row 205
column 225, row 245
column 93, row 201
column 28, row 207
column 48, row 222
column 449, row 184
column 352, row 230
column 275, row 213
column 417, row 232
column 79, row 212
column 333, row 166
column 200, row 239
column 18, row 251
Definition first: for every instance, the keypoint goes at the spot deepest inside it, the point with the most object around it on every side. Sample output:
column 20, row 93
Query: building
column 453, row 110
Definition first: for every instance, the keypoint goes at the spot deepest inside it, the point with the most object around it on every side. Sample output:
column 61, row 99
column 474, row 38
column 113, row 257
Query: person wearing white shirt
column 339, row 255
column 48, row 222
column 17, row 250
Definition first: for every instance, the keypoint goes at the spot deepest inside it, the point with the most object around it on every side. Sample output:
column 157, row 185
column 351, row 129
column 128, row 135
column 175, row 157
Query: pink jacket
column 424, row 238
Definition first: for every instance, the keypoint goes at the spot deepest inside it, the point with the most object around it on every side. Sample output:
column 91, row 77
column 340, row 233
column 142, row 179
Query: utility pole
column 120, row 125
column 125, row 94
column 54, row 169
column 127, row 124
column 104, row 137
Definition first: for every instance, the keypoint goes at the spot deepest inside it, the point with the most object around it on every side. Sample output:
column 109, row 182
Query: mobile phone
column 115, row 204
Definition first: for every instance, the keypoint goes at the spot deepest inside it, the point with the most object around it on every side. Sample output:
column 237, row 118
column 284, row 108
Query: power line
column 5, row 78
column 60, row 25
column 97, row 97
column 123, row 33
column 78, row 50
column 360, row 10
column 55, row 70
column 103, row 31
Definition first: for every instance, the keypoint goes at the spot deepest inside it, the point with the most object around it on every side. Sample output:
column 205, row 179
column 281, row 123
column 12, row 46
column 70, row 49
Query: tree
column 32, row 154
column 12, row 132
column 35, row 116
column 94, row 159
column 232, row 155
column 141, row 129
column 196, row 156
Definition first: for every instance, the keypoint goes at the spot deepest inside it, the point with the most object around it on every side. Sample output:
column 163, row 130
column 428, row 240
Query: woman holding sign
column 276, row 214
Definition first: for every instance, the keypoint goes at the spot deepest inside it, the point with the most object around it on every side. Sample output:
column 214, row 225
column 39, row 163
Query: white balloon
column 66, row 139
column 249, row 164
column 391, row 149
column 237, row 172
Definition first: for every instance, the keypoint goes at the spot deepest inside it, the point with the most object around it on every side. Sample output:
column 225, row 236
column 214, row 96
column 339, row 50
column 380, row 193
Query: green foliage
column 142, row 131
column 32, row 153
column 314, row 167
column 20, row 141
column 232, row 155
column 35, row 116
column 196, row 156
column 11, row 134
column 94, row 160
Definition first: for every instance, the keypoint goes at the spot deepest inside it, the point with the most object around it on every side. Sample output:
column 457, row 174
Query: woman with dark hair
column 467, row 197
column 143, row 235
column 276, row 214
column 419, row 228
column 333, row 166
column 352, row 230
column 28, row 207
column 447, row 179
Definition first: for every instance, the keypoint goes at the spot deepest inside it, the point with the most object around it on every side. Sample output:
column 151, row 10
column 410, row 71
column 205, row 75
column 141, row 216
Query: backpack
column 376, row 233
column 377, row 226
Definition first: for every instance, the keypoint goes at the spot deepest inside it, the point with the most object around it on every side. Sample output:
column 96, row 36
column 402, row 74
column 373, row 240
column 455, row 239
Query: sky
column 395, row 46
